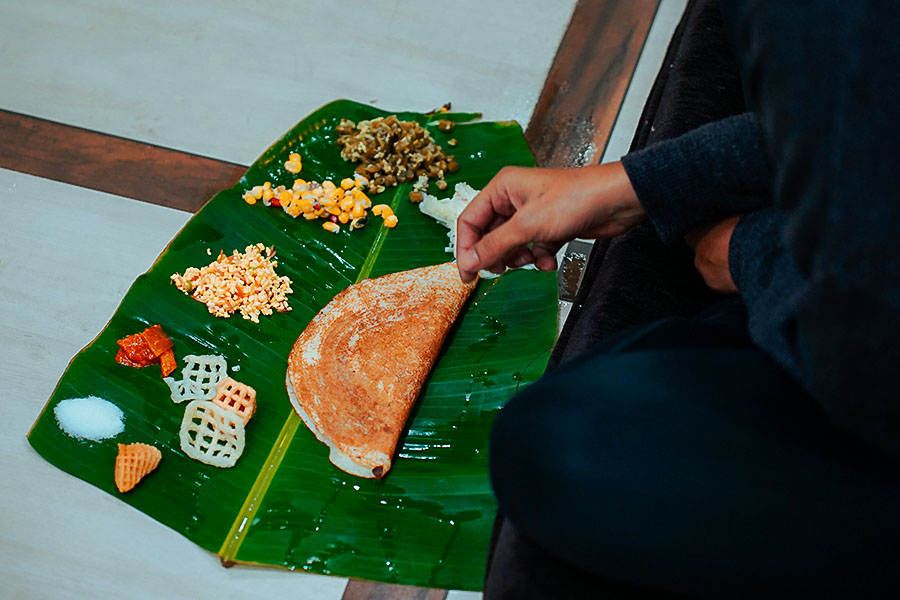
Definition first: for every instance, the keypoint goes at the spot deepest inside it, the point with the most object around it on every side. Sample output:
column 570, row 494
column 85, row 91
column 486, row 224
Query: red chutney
column 148, row 347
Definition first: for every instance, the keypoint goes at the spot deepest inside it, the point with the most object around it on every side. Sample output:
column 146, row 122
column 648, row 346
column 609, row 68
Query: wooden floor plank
column 586, row 84
column 111, row 164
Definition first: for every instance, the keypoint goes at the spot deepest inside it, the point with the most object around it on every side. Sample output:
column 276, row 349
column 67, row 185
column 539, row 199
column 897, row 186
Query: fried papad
column 356, row 370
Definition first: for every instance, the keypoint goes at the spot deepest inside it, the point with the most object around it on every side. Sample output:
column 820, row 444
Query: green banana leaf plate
column 428, row 522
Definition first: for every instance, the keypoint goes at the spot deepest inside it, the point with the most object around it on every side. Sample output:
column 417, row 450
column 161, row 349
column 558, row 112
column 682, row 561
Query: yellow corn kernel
column 333, row 210
column 310, row 216
column 344, row 217
column 300, row 185
column 293, row 210
column 332, row 227
column 359, row 181
column 249, row 197
column 358, row 212
column 348, row 183
column 319, row 212
column 347, row 203
column 256, row 192
column 390, row 221
column 382, row 209
column 294, row 163
column 328, row 185
column 267, row 192
column 305, row 205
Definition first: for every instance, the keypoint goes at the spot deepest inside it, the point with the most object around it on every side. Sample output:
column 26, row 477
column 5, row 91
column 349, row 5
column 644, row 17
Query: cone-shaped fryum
column 133, row 462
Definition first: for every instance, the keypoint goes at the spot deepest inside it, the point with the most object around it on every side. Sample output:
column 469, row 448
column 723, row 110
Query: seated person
column 750, row 450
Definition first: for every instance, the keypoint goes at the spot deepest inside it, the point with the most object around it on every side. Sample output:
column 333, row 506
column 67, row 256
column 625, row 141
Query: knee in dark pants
column 550, row 444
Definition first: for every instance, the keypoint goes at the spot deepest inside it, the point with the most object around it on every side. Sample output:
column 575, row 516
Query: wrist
column 613, row 199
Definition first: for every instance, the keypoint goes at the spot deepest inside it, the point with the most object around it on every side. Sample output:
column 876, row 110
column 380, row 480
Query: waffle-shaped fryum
column 183, row 389
column 199, row 378
column 236, row 396
column 206, row 371
column 133, row 462
column 212, row 434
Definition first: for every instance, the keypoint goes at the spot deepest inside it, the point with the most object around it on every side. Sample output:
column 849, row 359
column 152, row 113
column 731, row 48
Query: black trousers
column 679, row 457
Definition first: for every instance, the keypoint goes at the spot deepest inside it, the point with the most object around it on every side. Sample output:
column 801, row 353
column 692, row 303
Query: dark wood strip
column 111, row 164
column 368, row 590
column 587, row 81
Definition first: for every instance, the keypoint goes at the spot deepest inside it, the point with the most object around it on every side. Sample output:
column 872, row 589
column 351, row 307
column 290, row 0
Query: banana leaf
column 428, row 522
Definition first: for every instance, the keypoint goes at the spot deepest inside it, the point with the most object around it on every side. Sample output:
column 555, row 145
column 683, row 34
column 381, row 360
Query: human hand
column 525, row 215
column 710, row 244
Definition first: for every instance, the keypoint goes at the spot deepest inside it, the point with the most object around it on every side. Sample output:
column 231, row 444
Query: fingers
column 542, row 256
column 495, row 230
column 545, row 256
column 496, row 248
column 486, row 213
column 519, row 258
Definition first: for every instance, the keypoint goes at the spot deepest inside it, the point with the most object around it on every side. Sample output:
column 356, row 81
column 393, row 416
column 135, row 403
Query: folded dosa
column 356, row 370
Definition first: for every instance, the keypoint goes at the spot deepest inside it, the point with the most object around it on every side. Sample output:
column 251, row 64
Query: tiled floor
column 221, row 79
column 226, row 79
column 61, row 538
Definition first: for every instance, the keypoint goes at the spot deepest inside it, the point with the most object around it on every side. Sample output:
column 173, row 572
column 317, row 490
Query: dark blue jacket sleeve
column 710, row 173
column 821, row 291
column 770, row 283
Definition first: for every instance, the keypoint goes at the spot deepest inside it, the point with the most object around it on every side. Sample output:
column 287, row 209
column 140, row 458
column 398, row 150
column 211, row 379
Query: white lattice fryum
column 212, row 434
column 206, row 371
column 183, row 389
column 199, row 378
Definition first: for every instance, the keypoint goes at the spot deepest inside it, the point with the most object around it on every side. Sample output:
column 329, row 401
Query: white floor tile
column 226, row 79
column 62, row 538
column 457, row 595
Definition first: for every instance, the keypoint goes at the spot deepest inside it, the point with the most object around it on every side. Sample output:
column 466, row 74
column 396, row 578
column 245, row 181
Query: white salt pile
column 90, row 418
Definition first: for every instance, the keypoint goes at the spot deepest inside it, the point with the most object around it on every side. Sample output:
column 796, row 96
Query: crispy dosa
column 356, row 370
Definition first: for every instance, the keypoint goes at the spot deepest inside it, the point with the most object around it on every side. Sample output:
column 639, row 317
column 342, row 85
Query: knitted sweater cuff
column 712, row 172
